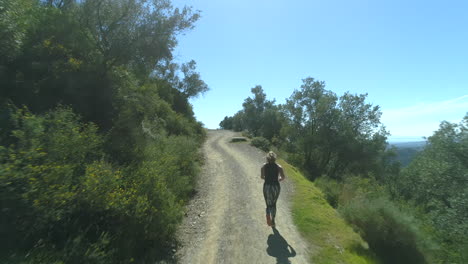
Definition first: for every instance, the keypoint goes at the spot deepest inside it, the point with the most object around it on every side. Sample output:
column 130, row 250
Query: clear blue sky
column 411, row 57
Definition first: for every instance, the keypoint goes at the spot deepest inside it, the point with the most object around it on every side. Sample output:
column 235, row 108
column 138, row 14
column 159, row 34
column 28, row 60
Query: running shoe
column 268, row 218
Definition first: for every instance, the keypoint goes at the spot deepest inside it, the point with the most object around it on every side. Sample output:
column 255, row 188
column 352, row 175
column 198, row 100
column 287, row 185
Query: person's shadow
column 279, row 248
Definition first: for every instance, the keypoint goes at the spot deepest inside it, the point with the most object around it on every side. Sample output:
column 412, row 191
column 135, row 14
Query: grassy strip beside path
column 331, row 239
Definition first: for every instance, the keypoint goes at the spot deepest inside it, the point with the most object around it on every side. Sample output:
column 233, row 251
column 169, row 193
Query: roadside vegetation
column 98, row 141
column 331, row 239
column 412, row 214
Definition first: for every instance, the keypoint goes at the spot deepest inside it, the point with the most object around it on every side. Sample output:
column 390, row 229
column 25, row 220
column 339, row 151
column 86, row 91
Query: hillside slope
column 321, row 226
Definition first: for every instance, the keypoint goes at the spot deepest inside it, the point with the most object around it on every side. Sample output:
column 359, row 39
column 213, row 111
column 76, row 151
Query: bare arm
column 262, row 172
column 281, row 173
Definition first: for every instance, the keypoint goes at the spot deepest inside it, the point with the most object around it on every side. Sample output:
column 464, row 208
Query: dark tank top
column 271, row 173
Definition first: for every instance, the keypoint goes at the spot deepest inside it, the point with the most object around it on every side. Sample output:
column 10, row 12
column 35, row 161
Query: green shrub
column 340, row 193
column 238, row 139
column 176, row 159
column 331, row 189
column 40, row 175
column 393, row 235
column 62, row 202
column 261, row 143
column 247, row 134
column 277, row 141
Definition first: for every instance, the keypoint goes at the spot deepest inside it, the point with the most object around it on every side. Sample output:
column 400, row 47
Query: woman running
column 272, row 173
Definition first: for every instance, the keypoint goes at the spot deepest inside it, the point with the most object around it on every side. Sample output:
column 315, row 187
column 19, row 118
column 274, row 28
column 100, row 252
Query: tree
column 334, row 135
column 324, row 133
column 363, row 138
column 92, row 139
column 190, row 84
column 137, row 33
column 254, row 109
column 14, row 21
column 437, row 180
column 71, row 54
column 313, row 118
column 238, row 121
column 272, row 122
column 226, row 123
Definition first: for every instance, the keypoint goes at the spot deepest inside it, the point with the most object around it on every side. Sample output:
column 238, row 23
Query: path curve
column 225, row 222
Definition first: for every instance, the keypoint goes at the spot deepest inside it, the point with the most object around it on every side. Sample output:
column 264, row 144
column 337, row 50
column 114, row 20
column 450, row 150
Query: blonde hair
column 271, row 157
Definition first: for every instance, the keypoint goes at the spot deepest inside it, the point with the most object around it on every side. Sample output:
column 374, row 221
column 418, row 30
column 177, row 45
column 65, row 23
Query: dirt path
column 225, row 222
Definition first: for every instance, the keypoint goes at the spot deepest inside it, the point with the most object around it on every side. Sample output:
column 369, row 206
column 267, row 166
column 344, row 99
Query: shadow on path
column 279, row 248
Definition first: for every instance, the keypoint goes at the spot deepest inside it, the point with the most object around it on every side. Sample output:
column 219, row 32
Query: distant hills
column 414, row 144
column 407, row 151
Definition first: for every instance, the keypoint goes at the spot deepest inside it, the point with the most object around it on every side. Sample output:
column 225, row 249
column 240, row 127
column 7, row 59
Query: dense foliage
column 261, row 143
column 391, row 233
column 413, row 215
column 98, row 140
column 321, row 132
column 437, row 182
